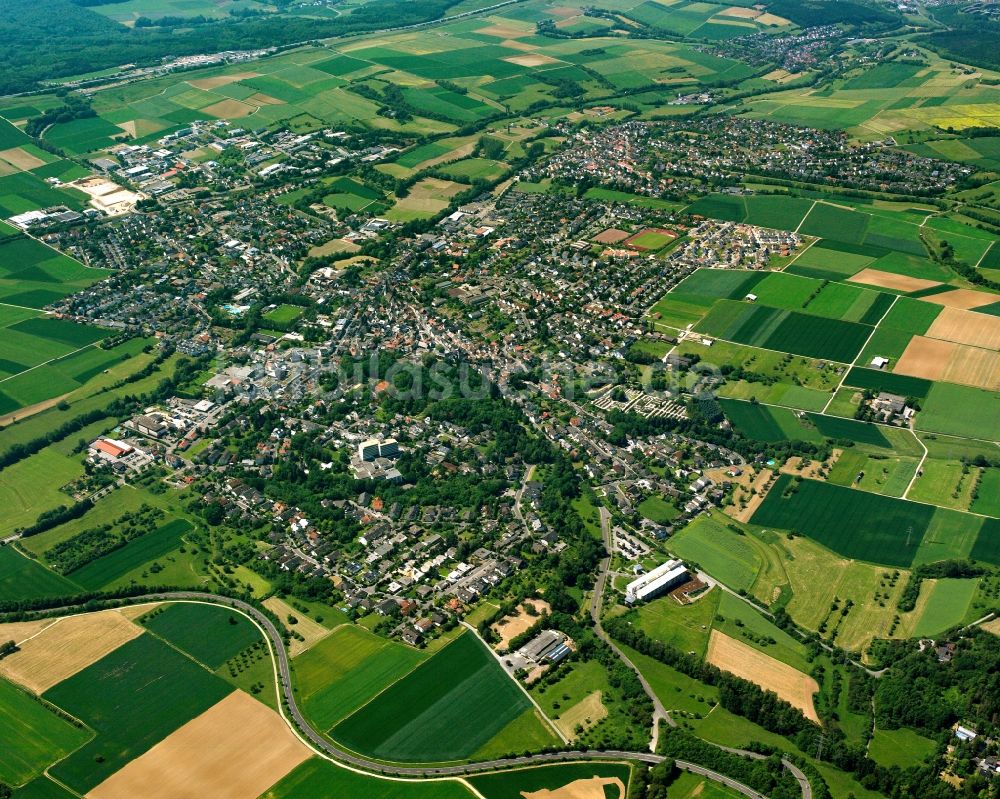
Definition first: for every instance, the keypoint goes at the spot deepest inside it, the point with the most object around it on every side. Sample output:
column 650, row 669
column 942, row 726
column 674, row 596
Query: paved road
column 333, row 751
column 596, row 602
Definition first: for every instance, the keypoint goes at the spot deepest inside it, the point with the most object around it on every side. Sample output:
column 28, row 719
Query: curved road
column 321, row 744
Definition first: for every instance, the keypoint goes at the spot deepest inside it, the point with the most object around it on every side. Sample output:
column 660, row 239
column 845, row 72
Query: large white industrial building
column 663, row 578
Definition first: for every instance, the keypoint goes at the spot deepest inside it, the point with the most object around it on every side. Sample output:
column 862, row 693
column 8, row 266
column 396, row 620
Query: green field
column 42, row 788
column 346, row 670
column 902, row 747
column 686, row 627
column 210, row 634
column 785, row 330
column 445, row 709
column 23, row 578
column 32, row 736
column 726, row 555
column 856, row 524
column 515, row 784
column 321, row 779
column 947, row 606
column 938, row 410
column 987, row 500
column 133, row 698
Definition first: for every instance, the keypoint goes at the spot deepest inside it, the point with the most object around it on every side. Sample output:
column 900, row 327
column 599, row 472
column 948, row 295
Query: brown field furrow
column 66, row 647
column 236, row 749
column 744, row 661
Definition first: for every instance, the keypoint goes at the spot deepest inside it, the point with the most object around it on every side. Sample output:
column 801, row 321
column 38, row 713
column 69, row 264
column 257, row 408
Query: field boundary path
column 348, row 759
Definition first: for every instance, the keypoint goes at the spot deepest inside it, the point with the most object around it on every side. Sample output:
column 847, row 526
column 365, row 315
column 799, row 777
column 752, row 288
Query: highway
column 323, row 746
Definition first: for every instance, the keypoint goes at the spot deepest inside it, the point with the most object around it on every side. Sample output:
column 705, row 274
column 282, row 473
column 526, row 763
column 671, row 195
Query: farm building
column 663, row 578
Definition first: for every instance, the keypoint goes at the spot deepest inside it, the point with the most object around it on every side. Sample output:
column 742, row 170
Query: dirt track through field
column 236, row 749
column 744, row 661
column 66, row 647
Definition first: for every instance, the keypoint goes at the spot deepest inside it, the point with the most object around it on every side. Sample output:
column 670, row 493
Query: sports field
column 446, row 709
column 133, row 698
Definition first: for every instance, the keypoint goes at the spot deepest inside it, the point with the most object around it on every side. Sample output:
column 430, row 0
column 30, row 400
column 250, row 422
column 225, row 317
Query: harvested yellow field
column 963, row 298
column 66, row 647
column 772, row 20
column 221, row 80
column 594, row 788
column 507, row 29
column 21, row 631
column 236, row 749
column 933, row 359
column 133, row 612
column 585, row 713
column 22, row 159
column 992, row 626
column 967, row 327
column 311, row 631
column 264, row 99
column 744, row 661
column 888, row 280
column 533, row 60
column 740, row 11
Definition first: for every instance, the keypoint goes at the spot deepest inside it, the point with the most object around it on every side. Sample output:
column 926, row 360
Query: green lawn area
column 23, row 578
column 902, row 747
column 658, row 510
column 686, row 627
column 947, row 605
column 284, row 314
column 725, row 554
column 676, row 690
